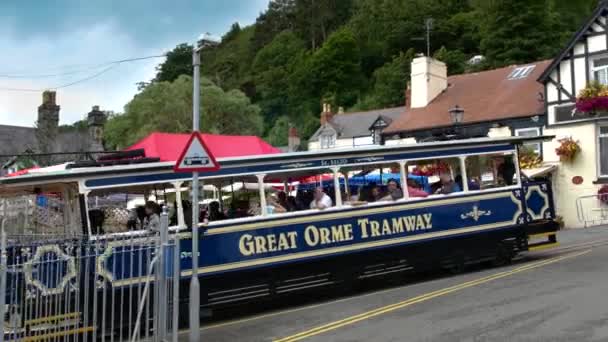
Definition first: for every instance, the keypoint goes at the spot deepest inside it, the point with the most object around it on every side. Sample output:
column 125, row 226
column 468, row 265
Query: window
column 530, row 132
column 521, row 72
column 443, row 176
column 491, row 171
column 328, row 140
column 600, row 70
column 377, row 136
column 603, row 151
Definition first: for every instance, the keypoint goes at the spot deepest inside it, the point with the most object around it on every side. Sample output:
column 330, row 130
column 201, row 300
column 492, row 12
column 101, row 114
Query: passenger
column 291, row 204
column 374, row 194
column 507, row 171
column 320, row 200
column 394, row 191
column 273, row 206
column 215, row 214
column 448, row 186
column 152, row 221
column 283, row 200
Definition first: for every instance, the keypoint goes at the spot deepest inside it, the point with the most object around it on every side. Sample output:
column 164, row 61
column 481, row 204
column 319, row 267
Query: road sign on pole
column 196, row 157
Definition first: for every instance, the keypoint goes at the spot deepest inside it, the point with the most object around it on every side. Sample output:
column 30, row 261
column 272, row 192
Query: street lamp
column 457, row 114
column 204, row 41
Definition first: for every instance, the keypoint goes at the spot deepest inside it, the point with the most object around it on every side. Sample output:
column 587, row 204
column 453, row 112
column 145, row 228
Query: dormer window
column 327, row 140
column 600, row 70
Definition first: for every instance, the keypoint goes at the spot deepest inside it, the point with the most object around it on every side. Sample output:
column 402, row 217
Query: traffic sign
column 196, row 157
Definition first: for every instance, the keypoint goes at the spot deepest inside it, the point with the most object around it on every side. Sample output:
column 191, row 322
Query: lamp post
column 204, row 41
column 457, row 114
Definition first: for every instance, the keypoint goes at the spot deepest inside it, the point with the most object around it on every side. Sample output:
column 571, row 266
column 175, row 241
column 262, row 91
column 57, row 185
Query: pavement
column 555, row 295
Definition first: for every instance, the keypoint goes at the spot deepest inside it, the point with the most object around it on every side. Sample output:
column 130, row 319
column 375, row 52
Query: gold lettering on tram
column 314, row 236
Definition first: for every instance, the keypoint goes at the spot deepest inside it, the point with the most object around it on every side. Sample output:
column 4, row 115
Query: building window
column 530, row 132
column 600, row 70
column 377, row 136
column 602, row 154
column 328, row 140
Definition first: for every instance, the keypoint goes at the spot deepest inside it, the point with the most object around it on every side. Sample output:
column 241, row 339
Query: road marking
column 422, row 298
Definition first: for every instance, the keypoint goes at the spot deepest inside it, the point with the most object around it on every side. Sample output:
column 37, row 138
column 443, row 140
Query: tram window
column 129, row 209
column 490, row 171
column 372, row 183
column 443, row 176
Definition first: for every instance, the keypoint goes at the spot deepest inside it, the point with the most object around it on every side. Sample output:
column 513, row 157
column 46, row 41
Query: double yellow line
column 422, row 298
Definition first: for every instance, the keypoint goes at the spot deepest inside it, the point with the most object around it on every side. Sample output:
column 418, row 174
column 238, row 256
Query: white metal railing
column 56, row 288
column 591, row 211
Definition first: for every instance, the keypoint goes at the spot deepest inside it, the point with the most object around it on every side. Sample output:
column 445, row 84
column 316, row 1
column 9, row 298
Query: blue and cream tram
column 273, row 241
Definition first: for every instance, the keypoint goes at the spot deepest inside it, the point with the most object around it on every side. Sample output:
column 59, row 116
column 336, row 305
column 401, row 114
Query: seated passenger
column 292, row 205
column 215, row 214
column 152, row 221
column 394, row 192
column 321, row 200
column 507, row 171
column 374, row 194
column 273, row 206
column 448, row 186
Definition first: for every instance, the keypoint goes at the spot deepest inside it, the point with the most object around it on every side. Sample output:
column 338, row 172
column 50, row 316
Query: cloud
column 70, row 52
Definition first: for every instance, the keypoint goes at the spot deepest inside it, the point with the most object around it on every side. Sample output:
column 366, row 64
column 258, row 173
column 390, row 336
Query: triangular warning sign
column 196, row 156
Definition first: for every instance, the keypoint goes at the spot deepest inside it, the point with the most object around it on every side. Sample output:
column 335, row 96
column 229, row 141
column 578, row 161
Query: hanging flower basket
column 593, row 98
column 528, row 159
column 567, row 150
column 431, row 169
column 602, row 194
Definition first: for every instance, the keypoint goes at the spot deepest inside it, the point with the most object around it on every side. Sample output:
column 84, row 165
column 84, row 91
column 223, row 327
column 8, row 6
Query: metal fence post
column 3, row 267
column 176, row 282
column 161, row 272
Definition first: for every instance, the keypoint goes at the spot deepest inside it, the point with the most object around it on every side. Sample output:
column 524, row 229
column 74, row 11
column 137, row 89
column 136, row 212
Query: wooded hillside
column 350, row 53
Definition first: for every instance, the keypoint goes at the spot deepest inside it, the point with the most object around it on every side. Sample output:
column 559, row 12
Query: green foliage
column 335, row 69
column 354, row 54
column 277, row 136
column 390, row 82
column 178, row 62
column 167, row 107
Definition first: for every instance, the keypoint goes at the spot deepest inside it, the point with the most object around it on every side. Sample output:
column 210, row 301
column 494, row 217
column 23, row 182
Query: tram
column 281, row 236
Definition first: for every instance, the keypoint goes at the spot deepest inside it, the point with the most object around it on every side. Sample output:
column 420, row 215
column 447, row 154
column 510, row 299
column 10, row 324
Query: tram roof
column 283, row 162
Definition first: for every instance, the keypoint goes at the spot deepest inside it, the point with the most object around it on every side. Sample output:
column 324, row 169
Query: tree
column 271, row 70
column 455, row 60
column 167, row 107
column 277, row 136
column 235, row 29
column 390, row 82
column 335, row 69
column 518, row 31
column 178, row 62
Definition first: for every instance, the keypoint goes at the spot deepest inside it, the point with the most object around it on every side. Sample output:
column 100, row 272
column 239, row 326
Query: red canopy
column 21, row 172
column 168, row 146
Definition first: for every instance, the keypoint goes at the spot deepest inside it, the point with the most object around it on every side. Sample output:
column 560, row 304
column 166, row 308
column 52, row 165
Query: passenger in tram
column 448, row 186
column 507, row 171
column 215, row 214
column 152, row 220
column 273, row 206
column 394, row 191
column 284, row 201
column 321, row 200
column 291, row 204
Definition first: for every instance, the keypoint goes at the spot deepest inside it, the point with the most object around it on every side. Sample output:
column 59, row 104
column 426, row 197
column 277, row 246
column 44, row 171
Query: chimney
column 293, row 140
column 326, row 114
column 429, row 78
column 96, row 120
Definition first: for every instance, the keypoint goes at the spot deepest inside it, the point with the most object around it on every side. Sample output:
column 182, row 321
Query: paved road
column 551, row 296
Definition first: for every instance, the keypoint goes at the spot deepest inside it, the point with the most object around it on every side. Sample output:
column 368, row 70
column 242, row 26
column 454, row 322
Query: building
column 583, row 59
column 341, row 130
column 500, row 102
column 48, row 142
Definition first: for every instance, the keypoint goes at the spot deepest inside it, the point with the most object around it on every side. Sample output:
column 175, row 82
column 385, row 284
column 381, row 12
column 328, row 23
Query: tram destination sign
column 196, row 156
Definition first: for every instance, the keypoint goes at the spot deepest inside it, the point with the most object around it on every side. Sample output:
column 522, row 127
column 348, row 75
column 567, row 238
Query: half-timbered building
column 583, row 59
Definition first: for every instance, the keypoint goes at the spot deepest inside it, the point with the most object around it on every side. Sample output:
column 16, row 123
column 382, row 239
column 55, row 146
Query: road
column 557, row 295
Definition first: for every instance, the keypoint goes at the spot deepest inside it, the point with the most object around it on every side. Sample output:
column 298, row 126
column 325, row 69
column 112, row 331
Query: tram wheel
column 503, row 256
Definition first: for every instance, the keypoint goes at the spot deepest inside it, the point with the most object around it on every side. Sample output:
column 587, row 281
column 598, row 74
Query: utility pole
column 195, row 288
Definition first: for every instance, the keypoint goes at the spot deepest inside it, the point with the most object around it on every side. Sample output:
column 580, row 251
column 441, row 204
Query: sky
column 48, row 44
